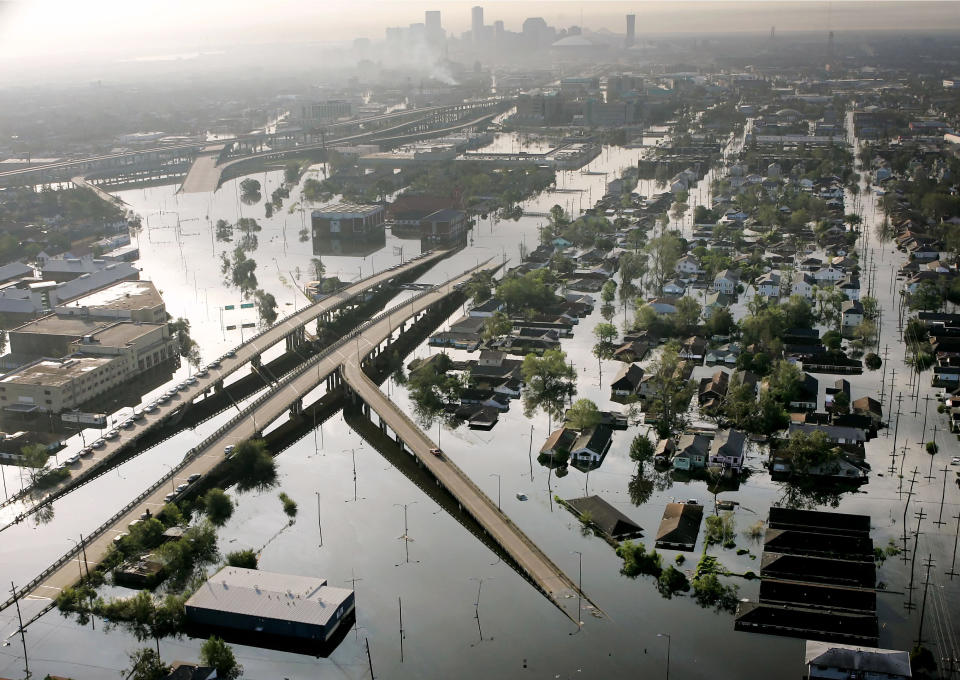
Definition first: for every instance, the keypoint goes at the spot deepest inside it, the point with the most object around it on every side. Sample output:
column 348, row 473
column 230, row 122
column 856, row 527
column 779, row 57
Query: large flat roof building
column 284, row 605
column 348, row 220
column 125, row 300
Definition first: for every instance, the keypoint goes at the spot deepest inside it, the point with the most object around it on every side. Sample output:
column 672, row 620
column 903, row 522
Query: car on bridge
column 437, row 452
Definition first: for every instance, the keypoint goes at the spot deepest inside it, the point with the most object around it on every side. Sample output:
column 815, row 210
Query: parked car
column 112, row 434
column 228, row 449
column 230, row 354
column 98, row 444
column 214, row 364
column 150, row 408
column 437, row 452
column 74, row 459
column 127, row 424
column 87, row 451
column 194, row 477
column 955, row 461
column 181, row 487
column 191, row 381
column 170, row 496
column 202, row 373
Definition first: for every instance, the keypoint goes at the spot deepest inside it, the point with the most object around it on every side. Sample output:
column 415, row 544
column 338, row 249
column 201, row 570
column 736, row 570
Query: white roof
column 891, row 662
column 283, row 597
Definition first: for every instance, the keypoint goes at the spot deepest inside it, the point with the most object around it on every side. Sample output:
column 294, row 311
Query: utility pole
column 953, row 562
column 369, row 658
column 319, row 524
column 883, row 379
column 896, row 429
column 905, row 507
column 406, row 534
column 400, row 606
column 913, row 559
column 923, row 606
column 23, row 639
column 943, row 495
column 926, row 404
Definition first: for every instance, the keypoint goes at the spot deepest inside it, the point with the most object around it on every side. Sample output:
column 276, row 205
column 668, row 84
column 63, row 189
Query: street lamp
column 353, row 455
column 494, row 474
column 80, row 553
column 173, row 487
column 319, row 525
column 666, row 635
column 579, row 586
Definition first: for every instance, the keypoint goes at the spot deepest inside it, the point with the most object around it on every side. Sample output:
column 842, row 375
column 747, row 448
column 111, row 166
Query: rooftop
column 269, row 595
column 122, row 295
column 343, row 209
column 54, row 372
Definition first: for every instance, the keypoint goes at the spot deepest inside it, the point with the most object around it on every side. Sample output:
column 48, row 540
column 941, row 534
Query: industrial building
column 271, row 604
column 64, row 361
column 126, row 300
column 348, row 220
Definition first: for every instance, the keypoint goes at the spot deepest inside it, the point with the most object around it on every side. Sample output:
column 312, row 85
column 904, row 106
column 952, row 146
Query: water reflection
column 350, row 247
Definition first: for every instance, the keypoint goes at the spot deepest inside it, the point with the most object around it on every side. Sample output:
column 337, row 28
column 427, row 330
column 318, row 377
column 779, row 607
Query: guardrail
column 96, row 470
column 194, row 452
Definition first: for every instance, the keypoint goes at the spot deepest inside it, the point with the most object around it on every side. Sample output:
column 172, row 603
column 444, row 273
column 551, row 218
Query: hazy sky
column 46, row 28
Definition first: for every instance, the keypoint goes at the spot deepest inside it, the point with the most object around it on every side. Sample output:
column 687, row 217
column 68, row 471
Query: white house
column 768, row 285
column 592, row 445
column 674, row 287
column 827, row 276
column 687, row 266
column 850, row 287
column 852, row 314
column 802, row 284
column 726, row 281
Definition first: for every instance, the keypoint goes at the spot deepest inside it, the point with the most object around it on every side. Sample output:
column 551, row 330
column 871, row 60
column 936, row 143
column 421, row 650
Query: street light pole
column 579, row 585
column 319, row 524
column 667, row 635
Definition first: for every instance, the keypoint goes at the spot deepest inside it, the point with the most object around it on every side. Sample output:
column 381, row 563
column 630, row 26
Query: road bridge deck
column 243, row 354
column 251, row 421
column 558, row 587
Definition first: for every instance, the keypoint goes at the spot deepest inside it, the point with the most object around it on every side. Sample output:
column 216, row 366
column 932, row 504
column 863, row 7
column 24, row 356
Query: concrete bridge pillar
column 256, row 361
column 296, row 408
column 218, row 386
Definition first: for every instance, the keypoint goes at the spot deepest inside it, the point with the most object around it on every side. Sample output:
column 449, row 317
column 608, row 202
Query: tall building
column 476, row 23
column 631, row 30
column 435, row 33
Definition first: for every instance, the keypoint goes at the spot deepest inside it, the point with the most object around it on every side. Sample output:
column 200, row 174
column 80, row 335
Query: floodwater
column 464, row 612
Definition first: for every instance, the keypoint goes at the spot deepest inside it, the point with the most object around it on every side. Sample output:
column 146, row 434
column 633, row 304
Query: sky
column 38, row 29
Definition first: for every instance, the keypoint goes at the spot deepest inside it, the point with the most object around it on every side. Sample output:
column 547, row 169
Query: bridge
column 341, row 365
column 291, row 330
column 176, row 159
column 532, row 561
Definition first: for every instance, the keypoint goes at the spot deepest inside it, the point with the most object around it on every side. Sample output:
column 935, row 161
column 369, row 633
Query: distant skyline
column 38, row 29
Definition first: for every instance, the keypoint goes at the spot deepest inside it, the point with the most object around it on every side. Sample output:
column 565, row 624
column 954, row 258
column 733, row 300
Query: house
column 491, row 358
column 850, row 287
column 627, row 381
column 810, row 264
column 664, row 305
column 726, row 281
column 591, row 445
column 559, row 442
column 835, row 434
column 851, row 313
column 726, row 354
column 713, row 390
column 444, row 225
column 715, row 302
column 870, row 407
column 692, row 452
column 802, row 284
column 485, row 397
column 727, row 449
column 613, row 523
column 688, row 267
column 768, row 285
column 487, row 309
column 693, row 348
column 631, row 351
column 827, row 276
column 840, row 467
column 832, row 660
column 680, row 526
column 674, row 287
column 188, row 671
column 664, row 451
column 807, row 394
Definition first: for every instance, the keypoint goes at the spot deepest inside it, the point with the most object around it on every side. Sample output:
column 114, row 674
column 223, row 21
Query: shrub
column 932, row 448
column 637, row 561
column 680, row 559
column 245, row 559
column 217, row 506
column 873, row 361
column 253, row 465
column 289, row 505
column 672, row 581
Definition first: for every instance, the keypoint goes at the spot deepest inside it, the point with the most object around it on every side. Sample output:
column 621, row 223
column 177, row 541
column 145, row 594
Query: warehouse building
column 280, row 605
column 125, row 301
column 348, row 220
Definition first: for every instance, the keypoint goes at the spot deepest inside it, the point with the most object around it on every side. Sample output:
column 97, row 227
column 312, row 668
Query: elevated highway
column 291, row 330
column 286, row 395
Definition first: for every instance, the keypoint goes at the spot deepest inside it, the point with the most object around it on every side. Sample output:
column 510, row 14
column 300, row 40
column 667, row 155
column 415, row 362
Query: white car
column 955, row 461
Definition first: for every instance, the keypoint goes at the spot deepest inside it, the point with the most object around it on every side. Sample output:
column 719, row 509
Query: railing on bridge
column 194, row 452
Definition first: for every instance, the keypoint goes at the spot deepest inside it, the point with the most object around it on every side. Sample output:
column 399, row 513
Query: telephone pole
column 943, row 495
column 23, row 639
column 923, row 606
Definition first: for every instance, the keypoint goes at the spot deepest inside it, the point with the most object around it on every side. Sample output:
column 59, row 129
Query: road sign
column 228, row 307
column 246, row 305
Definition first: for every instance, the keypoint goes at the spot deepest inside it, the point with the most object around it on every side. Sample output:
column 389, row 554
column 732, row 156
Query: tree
column 637, row 561
column 318, row 268
column 605, row 332
column 218, row 506
column 672, row 581
column 35, row 457
column 253, row 465
column 670, row 393
column 720, row 322
column 217, row 653
column 146, row 664
column 189, row 349
column 244, row 559
column 609, row 291
column 250, row 186
column 872, row 361
column 496, row 326
column 289, row 505
column 926, row 297
column 266, row 307
column 291, row 172
column 783, row 383
column 432, row 388
column 688, row 314
column 583, row 415
column 806, row 451
column 548, row 383
column 641, row 449
column 663, row 252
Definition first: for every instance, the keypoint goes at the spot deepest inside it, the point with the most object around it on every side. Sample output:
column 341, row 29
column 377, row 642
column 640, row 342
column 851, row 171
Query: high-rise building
column 434, row 29
column 476, row 23
column 498, row 31
column 631, row 29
